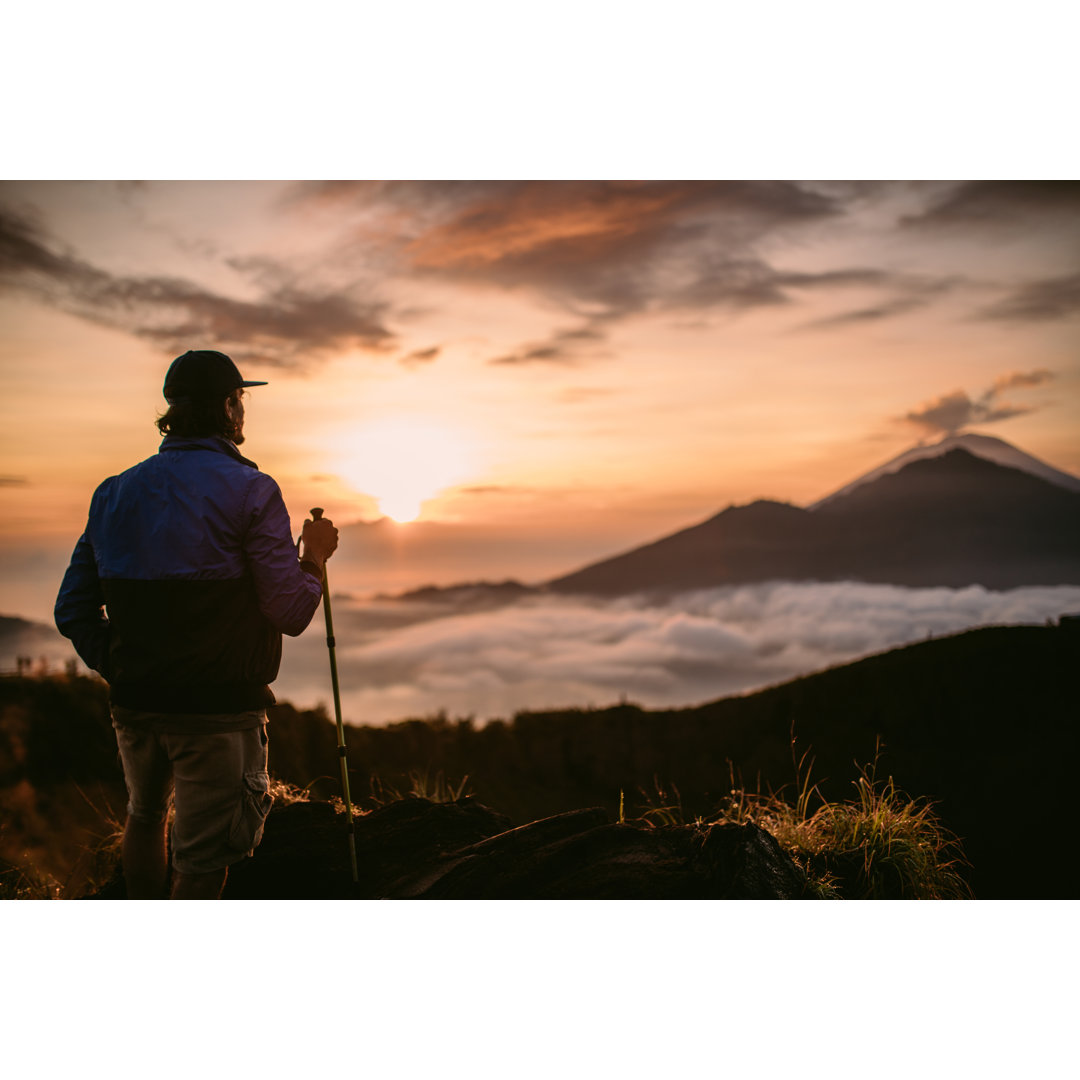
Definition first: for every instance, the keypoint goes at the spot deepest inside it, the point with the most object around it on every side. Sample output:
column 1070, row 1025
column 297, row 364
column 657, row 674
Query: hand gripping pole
column 316, row 514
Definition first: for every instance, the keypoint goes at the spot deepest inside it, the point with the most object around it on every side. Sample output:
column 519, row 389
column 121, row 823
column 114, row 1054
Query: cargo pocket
column 250, row 816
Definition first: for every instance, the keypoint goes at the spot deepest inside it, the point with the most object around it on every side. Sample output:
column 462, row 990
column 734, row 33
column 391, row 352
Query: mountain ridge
column 954, row 519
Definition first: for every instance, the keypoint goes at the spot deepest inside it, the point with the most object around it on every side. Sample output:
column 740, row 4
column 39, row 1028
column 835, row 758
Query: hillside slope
column 984, row 722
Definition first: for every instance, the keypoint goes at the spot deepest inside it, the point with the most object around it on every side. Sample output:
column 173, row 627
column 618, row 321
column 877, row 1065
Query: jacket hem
column 214, row 698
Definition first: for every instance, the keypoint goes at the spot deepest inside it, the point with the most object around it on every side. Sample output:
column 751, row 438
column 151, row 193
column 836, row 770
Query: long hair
column 198, row 419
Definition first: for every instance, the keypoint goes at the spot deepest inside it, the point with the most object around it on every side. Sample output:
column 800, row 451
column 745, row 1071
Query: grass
column 92, row 868
column 879, row 845
column 27, row 883
column 660, row 808
column 285, row 794
column 437, row 789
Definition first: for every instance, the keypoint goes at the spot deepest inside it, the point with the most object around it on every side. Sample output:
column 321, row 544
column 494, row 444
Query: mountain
column 952, row 519
column 984, row 446
column 31, row 644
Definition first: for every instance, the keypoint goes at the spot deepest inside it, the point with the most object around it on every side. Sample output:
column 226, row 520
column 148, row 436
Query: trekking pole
column 317, row 513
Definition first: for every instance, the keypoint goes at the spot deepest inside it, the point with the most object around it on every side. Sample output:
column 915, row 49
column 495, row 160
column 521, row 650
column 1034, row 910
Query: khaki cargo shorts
column 217, row 782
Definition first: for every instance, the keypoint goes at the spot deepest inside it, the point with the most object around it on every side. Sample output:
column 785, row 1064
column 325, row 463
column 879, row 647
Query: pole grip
column 316, row 513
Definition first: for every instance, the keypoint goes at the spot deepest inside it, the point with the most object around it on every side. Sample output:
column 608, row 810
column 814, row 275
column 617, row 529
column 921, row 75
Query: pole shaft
column 331, row 648
column 340, row 725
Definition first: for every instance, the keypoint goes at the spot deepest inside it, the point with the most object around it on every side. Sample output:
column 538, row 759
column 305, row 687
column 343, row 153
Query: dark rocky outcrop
column 417, row 849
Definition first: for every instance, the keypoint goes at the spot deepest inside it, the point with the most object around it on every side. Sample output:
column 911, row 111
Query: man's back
column 200, row 577
column 178, row 514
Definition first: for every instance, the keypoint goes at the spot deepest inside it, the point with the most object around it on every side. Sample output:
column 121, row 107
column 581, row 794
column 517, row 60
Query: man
column 191, row 554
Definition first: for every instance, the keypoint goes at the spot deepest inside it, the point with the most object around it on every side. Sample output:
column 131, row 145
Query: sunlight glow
column 404, row 461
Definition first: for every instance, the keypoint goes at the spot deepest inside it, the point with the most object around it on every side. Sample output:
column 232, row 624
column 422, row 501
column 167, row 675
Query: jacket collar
column 211, row 442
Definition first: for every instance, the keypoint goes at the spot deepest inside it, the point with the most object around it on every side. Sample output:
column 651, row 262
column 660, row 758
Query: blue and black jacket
column 184, row 581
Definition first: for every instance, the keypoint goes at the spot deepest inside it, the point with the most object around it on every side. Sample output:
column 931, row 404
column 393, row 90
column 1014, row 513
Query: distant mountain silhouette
column 33, row 641
column 983, row 446
column 953, row 519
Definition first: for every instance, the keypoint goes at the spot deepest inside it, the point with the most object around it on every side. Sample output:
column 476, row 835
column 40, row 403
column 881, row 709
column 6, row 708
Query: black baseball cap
column 202, row 375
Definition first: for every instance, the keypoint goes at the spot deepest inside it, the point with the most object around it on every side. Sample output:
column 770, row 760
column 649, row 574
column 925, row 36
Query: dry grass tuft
column 880, row 845
column 437, row 789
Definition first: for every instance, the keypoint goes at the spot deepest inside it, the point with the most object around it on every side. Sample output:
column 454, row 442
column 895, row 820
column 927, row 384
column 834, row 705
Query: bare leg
column 199, row 886
column 144, row 859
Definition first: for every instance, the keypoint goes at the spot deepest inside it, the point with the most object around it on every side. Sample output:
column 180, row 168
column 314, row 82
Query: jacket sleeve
column 288, row 596
column 80, row 609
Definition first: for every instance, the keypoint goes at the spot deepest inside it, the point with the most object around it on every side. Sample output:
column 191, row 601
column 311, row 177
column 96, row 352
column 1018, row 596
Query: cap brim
column 248, row 382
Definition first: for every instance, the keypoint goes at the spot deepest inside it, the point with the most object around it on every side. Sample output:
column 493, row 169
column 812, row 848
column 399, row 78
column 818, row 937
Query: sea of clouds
column 401, row 659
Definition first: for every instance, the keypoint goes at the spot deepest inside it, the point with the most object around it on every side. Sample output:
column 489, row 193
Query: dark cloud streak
column 421, row 356
column 899, row 306
column 563, row 347
column 285, row 327
column 1038, row 301
column 911, row 294
column 995, row 203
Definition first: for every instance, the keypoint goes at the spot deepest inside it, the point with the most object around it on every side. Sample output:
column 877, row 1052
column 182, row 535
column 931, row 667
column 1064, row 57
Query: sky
column 537, row 374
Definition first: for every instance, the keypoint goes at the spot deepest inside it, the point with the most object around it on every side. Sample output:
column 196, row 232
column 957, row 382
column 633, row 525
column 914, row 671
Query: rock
column 416, row 849
column 304, row 854
column 618, row 862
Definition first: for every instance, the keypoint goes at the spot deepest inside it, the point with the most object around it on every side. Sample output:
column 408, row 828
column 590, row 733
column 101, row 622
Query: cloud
column 1038, row 301
column 422, row 198
column 23, row 251
column 597, row 248
column 607, row 250
column 911, row 292
column 485, row 489
column 497, row 489
column 562, row 347
column 549, row 652
column 997, row 203
column 1021, row 379
column 286, row 326
column 899, row 306
column 421, row 356
column 13, row 481
column 951, row 412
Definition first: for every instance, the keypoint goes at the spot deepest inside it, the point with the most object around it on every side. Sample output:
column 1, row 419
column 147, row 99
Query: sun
column 404, row 461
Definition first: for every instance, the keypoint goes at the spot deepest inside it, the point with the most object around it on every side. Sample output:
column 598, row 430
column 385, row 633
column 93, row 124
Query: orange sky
column 547, row 372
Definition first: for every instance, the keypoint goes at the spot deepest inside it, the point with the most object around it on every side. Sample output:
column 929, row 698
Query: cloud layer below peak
column 398, row 661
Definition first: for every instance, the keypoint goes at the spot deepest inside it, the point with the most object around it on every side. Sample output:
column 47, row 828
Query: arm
column 289, row 592
column 80, row 609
